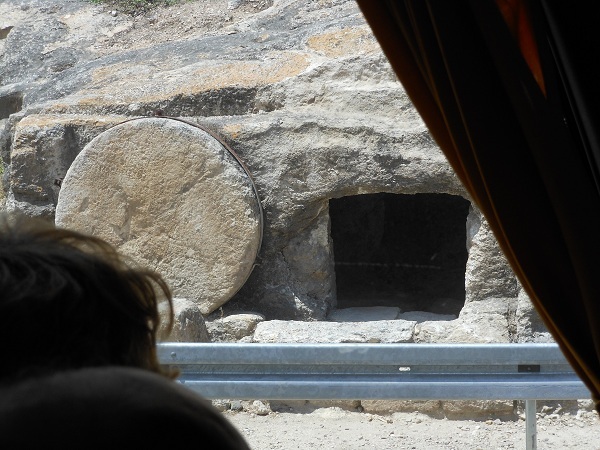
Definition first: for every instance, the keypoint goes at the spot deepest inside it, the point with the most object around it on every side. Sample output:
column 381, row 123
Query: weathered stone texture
column 233, row 328
column 365, row 314
column 488, row 274
column 530, row 327
column 324, row 159
column 174, row 199
column 385, row 331
column 484, row 321
column 461, row 409
column 188, row 322
column 432, row 408
column 300, row 90
column 311, row 406
column 43, row 148
column 423, row 316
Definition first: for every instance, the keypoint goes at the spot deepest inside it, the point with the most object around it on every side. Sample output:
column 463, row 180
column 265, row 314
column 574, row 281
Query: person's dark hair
column 69, row 301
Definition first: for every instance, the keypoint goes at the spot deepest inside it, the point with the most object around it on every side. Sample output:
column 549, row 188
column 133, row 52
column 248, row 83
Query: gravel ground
column 334, row 428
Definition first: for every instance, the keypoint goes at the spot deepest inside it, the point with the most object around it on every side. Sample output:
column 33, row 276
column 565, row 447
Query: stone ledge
column 380, row 331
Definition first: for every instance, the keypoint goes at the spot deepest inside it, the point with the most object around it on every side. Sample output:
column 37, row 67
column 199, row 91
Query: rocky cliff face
column 300, row 90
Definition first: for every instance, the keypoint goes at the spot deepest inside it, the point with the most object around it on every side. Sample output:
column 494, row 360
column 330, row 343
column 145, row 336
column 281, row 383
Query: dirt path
column 333, row 428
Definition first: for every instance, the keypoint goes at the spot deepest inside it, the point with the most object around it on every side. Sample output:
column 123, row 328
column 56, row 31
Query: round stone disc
column 173, row 198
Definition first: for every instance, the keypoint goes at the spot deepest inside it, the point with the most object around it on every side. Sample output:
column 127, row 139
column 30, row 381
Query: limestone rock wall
column 300, row 90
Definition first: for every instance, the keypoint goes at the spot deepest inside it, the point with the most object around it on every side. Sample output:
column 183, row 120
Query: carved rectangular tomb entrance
column 404, row 250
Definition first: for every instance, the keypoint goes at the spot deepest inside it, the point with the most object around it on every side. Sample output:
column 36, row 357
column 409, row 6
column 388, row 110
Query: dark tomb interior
column 400, row 250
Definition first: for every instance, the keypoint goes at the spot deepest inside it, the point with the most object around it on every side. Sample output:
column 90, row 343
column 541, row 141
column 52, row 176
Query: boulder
column 172, row 197
column 233, row 328
column 188, row 322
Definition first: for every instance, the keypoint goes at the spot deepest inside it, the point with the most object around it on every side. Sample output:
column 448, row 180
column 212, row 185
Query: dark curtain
column 508, row 89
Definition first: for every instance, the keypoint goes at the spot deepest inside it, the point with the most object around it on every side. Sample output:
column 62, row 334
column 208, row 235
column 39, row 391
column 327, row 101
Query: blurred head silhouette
column 70, row 301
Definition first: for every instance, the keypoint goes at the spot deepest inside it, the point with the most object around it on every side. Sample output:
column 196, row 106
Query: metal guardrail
column 527, row 372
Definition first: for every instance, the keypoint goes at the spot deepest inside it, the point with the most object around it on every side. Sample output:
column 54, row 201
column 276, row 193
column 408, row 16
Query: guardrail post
column 530, row 424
